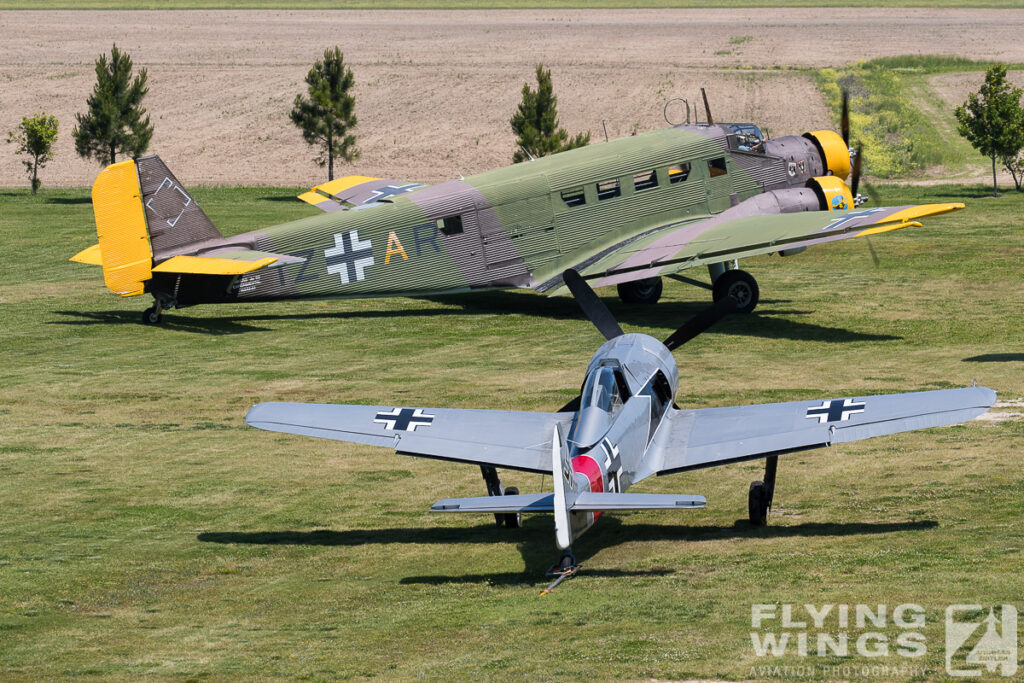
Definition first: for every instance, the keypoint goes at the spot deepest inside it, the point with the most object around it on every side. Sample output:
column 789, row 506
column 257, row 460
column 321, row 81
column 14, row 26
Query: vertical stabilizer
column 173, row 215
column 565, row 488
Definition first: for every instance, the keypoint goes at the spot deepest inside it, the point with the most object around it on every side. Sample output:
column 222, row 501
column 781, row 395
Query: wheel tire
column 646, row 291
column 566, row 562
column 513, row 520
column 740, row 284
column 151, row 317
column 757, row 503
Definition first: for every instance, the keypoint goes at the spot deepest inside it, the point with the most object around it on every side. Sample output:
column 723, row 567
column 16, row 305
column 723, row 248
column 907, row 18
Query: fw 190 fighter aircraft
column 623, row 428
column 624, row 213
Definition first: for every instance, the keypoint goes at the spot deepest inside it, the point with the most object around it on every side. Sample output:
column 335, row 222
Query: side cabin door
column 719, row 183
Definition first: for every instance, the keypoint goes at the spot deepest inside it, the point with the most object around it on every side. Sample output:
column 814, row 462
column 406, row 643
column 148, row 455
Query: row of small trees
column 115, row 122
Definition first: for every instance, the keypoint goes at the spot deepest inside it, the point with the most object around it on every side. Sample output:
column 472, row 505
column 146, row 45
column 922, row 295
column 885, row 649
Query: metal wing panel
column 723, row 237
column 715, row 436
column 516, row 440
column 525, row 502
column 355, row 191
column 594, row 502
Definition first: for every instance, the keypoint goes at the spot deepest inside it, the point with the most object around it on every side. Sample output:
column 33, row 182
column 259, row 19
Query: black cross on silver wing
column 404, row 419
column 836, row 410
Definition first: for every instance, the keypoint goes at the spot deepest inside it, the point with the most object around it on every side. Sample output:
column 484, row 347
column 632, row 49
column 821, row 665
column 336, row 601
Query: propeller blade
column 701, row 322
column 855, row 180
column 592, row 306
column 844, row 120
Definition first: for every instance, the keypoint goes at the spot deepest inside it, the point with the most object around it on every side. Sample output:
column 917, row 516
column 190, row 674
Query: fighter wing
column 716, row 436
column 355, row 191
column 735, row 233
column 516, row 440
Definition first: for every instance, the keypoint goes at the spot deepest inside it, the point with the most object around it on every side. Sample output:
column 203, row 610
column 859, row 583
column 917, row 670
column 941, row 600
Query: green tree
column 992, row 120
column 535, row 123
column 35, row 137
column 327, row 114
column 114, row 120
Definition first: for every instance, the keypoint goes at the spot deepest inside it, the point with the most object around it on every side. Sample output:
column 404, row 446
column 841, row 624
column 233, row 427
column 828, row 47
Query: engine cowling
column 833, row 150
column 833, row 194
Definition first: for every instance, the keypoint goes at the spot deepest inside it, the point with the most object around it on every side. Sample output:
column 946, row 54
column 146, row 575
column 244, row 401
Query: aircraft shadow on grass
column 765, row 322
column 996, row 358
column 533, row 541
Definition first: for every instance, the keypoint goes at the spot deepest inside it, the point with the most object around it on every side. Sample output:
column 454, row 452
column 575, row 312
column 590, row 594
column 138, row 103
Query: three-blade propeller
column 607, row 325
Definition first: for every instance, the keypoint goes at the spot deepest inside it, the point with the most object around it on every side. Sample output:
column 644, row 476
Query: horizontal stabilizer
column 236, row 254
column 587, row 502
column 525, row 502
column 91, row 256
column 210, row 265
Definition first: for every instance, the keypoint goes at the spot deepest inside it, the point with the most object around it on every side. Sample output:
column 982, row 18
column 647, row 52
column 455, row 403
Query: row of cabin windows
column 644, row 180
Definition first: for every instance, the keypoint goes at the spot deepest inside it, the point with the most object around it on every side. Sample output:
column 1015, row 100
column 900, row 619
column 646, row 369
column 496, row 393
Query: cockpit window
column 602, row 391
column 746, row 137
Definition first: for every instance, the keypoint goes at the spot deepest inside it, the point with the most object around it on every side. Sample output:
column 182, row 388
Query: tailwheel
column 646, row 291
column 740, row 285
column 513, row 520
column 152, row 315
column 757, row 503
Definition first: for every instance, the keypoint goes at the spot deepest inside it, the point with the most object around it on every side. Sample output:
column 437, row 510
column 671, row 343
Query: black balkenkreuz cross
column 349, row 257
column 404, row 419
column 836, row 410
column 391, row 191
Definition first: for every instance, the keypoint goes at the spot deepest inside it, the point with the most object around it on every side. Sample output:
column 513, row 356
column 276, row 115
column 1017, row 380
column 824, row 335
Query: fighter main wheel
column 513, row 520
column 739, row 284
column 757, row 503
column 646, row 291
column 151, row 316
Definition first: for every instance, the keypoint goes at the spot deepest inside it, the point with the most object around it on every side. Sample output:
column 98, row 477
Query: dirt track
column 435, row 89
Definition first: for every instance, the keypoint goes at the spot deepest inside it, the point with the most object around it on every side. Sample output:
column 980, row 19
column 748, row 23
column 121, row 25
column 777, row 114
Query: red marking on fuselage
column 587, row 466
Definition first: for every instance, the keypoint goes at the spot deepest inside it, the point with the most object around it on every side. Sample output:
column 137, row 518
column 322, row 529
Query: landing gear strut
column 759, row 500
column 511, row 520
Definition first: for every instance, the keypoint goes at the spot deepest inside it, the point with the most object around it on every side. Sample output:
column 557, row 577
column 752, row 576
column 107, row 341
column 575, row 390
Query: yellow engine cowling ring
column 833, row 194
column 834, row 152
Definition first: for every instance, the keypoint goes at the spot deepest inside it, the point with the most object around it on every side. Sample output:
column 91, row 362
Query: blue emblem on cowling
column 838, row 202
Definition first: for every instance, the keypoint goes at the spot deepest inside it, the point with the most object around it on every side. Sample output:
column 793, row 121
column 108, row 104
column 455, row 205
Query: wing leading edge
column 716, row 436
column 735, row 233
column 509, row 439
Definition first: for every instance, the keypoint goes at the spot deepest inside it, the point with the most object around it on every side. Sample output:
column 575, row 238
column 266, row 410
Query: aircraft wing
column 737, row 234
column 514, row 440
column 355, row 191
column 716, row 436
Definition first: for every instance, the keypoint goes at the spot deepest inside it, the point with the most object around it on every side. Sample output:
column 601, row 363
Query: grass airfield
column 147, row 531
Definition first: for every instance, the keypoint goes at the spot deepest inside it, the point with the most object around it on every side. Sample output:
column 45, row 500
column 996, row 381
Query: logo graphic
column 167, row 204
column 791, row 168
column 836, row 410
column 350, row 256
column 975, row 641
column 838, row 202
column 404, row 419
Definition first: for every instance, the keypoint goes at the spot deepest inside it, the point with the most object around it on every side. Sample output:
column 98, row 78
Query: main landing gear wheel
column 739, row 284
column 646, row 291
column 513, row 520
column 151, row 316
column 757, row 503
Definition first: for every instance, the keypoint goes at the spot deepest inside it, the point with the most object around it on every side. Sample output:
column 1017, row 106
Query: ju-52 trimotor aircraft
column 623, row 428
column 624, row 212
